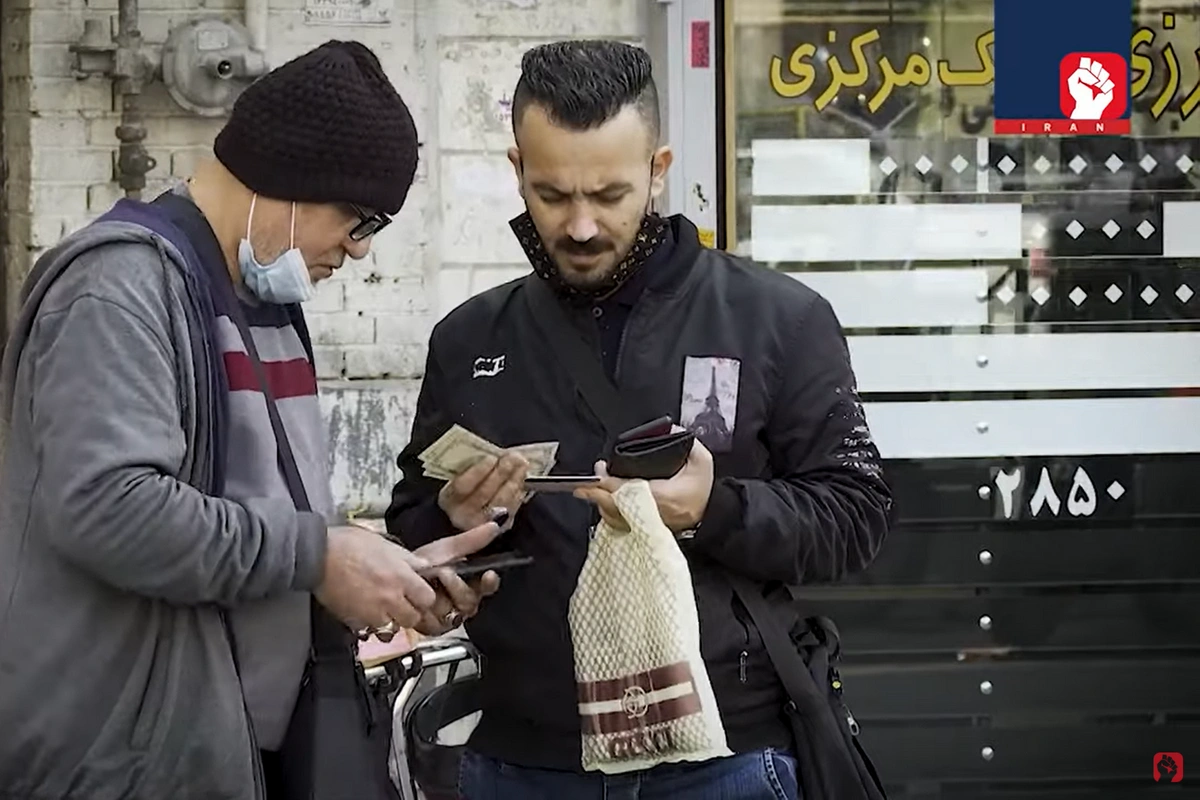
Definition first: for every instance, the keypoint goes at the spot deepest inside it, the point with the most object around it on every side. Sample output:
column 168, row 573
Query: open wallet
column 650, row 451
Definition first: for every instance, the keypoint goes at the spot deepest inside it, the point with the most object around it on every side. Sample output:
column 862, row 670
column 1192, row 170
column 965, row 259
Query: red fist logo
column 1168, row 768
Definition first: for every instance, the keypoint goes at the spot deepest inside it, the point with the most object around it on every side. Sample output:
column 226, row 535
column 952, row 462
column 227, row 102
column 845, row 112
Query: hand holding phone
column 460, row 593
column 471, row 568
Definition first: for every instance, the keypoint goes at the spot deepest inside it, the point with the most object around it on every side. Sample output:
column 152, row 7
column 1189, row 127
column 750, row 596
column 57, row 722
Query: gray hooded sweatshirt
column 116, row 676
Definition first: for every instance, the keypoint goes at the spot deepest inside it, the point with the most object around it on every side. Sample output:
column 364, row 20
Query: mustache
column 591, row 247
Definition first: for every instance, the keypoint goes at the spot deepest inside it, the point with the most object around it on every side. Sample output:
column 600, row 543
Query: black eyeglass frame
column 369, row 223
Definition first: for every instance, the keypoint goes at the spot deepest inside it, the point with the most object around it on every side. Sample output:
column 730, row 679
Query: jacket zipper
column 744, row 656
column 621, row 342
column 835, row 680
column 635, row 313
column 596, row 350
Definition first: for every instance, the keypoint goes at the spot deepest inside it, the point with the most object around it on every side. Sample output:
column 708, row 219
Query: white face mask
column 285, row 280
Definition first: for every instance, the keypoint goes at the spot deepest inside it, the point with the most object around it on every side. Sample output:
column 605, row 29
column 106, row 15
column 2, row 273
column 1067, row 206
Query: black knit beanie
column 326, row 127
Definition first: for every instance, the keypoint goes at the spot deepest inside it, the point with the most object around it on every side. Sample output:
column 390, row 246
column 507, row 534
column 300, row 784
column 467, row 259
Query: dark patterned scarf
column 650, row 237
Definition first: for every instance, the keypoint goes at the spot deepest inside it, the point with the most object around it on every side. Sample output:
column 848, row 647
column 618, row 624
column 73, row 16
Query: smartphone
column 472, row 568
column 559, row 483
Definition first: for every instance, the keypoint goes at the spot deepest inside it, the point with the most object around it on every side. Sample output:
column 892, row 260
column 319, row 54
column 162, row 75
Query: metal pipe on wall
column 203, row 64
column 131, row 72
column 256, row 23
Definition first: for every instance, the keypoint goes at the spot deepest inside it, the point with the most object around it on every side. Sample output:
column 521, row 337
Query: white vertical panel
column 1027, row 362
column 997, row 428
column 700, row 129
column 691, row 109
column 669, row 51
column 983, row 166
column 1181, row 229
column 810, row 167
column 915, row 298
column 890, row 232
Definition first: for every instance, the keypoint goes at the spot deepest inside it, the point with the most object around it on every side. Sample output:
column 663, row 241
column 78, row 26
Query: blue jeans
column 759, row 775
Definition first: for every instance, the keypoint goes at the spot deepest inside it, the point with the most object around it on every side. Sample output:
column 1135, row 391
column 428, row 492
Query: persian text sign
column 879, row 78
column 1062, row 67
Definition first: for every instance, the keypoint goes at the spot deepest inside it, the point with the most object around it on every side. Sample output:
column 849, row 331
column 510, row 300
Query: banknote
column 458, row 449
column 540, row 455
column 448, row 464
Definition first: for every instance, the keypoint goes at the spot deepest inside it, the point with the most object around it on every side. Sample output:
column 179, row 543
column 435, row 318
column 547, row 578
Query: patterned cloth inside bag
column 644, row 693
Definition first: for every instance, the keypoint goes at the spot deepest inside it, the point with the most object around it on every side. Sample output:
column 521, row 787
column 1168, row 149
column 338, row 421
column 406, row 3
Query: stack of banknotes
column 458, row 449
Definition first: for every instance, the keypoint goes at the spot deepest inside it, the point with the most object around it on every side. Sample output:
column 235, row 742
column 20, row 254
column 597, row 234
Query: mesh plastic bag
column 644, row 693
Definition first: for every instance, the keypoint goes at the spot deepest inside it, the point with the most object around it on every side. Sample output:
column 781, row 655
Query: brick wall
column 454, row 61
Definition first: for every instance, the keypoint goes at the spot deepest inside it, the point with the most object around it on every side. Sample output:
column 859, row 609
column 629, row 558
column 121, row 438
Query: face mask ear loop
column 650, row 192
column 292, row 237
column 250, row 216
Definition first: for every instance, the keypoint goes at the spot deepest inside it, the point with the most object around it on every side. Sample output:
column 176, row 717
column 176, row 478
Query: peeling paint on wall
column 368, row 423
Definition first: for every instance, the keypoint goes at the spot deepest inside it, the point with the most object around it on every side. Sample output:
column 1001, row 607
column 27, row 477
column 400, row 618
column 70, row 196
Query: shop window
column 1021, row 314
column 1034, row 275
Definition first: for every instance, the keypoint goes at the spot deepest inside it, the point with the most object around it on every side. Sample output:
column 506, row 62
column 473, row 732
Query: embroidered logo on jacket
column 487, row 367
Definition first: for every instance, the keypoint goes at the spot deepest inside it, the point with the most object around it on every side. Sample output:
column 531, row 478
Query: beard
column 602, row 279
column 598, row 260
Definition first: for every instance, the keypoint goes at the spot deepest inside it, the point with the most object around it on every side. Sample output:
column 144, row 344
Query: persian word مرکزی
column 796, row 76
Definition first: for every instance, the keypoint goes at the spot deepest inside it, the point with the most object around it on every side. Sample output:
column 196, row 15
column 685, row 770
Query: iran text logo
column 1062, row 67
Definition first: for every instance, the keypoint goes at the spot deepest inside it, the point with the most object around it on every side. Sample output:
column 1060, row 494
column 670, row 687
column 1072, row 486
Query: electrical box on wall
column 206, row 63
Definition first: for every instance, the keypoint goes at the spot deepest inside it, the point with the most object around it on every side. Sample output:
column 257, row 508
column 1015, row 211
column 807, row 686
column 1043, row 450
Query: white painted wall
column 454, row 61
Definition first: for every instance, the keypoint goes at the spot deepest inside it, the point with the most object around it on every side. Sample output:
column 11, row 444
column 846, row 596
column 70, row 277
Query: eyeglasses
column 369, row 222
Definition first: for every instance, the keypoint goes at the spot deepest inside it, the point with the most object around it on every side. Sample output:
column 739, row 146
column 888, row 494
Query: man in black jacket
column 784, row 488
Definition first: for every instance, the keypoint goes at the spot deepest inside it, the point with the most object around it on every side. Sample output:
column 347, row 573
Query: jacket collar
column 666, row 249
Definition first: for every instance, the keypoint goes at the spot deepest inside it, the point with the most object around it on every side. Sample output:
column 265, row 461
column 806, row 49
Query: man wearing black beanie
column 167, row 539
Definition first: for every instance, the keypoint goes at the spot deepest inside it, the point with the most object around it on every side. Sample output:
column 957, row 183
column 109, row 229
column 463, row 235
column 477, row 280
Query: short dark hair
column 582, row 84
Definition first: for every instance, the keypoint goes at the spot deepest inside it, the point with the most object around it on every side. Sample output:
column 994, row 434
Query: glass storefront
column 968, row 267
column 1022, row 315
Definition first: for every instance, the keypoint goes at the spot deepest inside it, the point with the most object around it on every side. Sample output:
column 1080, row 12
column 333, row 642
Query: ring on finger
column 452, row 619
column 388, row 627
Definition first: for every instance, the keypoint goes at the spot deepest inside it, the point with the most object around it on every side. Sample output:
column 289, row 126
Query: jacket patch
column 487, row 367
column 710, row 396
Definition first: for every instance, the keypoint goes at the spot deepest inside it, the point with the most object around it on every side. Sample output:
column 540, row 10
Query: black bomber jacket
column 754, row 360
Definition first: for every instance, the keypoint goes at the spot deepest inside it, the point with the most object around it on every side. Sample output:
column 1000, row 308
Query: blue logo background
column 1032, row 36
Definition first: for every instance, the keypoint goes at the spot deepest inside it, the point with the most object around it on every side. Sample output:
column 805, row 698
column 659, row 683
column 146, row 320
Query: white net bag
column 644, row 693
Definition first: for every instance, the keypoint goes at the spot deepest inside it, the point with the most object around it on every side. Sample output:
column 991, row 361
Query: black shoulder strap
column 793, row 672
column 574, row 354
column 284, row 454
